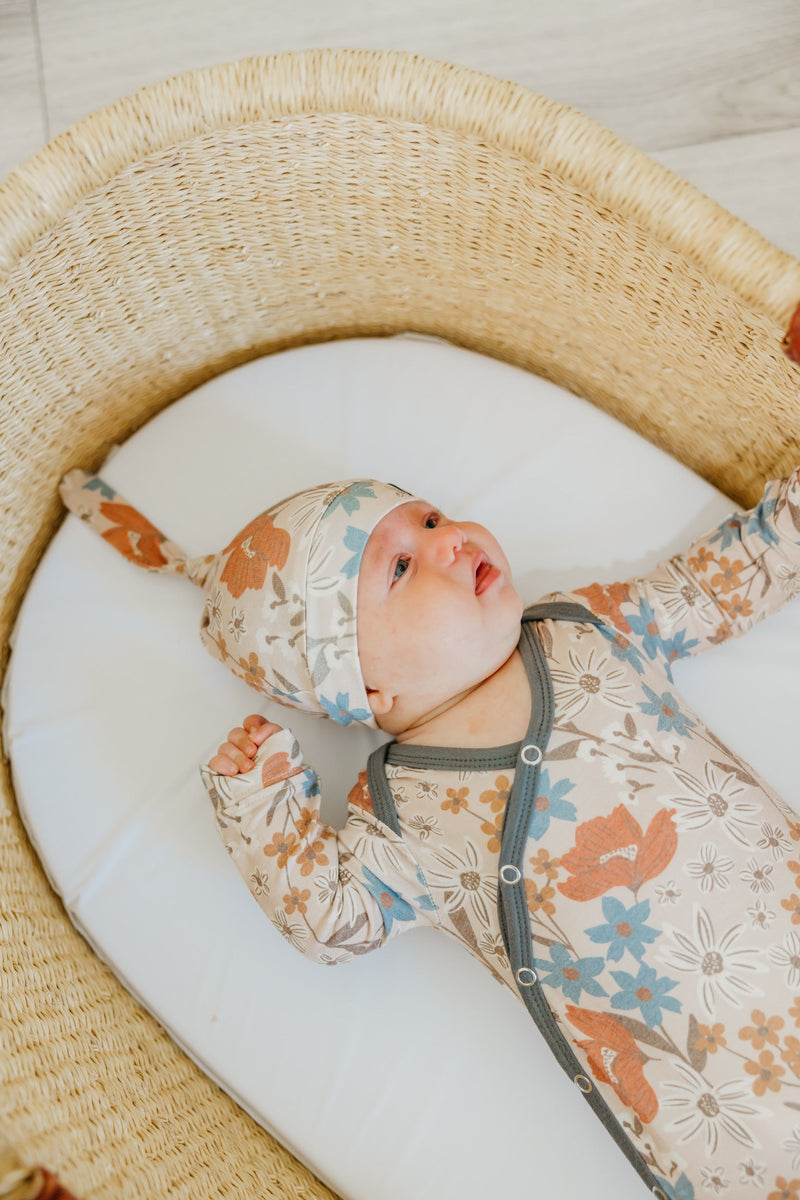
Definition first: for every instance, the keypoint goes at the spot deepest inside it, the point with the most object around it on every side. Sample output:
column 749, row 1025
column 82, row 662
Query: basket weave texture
column 243, row 209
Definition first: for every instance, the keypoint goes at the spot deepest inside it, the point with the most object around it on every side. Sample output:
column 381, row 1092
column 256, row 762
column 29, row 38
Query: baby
column 547, row 798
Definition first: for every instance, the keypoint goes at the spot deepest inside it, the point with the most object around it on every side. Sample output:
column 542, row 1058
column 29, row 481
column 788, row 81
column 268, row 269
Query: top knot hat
column 280, row 599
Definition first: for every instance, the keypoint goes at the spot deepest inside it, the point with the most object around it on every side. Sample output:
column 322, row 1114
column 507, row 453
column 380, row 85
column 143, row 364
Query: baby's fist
column 236, row 755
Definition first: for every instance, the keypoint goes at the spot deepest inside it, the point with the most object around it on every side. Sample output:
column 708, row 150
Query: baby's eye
column 400, row 567
column 432, row 520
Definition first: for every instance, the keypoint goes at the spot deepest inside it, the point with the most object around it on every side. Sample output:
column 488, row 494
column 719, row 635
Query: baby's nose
column 447, row 542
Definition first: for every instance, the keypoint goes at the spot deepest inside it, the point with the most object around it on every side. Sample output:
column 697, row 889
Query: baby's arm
column 741, row 572
column 333, row 895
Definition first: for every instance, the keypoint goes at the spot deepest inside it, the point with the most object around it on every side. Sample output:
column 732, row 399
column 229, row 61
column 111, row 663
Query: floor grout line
column 40, row 69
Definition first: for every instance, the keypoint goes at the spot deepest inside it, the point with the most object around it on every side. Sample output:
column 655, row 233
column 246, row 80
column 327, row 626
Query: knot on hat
column 281, row 598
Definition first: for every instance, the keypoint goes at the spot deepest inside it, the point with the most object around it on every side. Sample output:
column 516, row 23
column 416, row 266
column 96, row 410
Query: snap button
column 535, row 754
column 586, row 1086
column 525, row 976
column 510, row 874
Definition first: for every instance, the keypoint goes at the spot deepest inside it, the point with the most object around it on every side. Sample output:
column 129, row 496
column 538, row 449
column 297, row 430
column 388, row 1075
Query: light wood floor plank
column 22, row 122
column 662, row 74
column 755, row 176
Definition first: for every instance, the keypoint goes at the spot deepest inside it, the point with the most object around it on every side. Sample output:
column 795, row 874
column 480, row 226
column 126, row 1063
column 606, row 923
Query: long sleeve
column 741, row 572
column 332, row 894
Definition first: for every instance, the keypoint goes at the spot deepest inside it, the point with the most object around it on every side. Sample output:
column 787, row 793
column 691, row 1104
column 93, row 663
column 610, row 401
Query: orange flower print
column 275, row 768
column 359, row 793
column 767, row 1073
column 710, row 1038
column 736, row 607
column 306, row 821
column 723, row 634
column 252, row 671
column 786, row 1189
column 606, row 601
column 296, row 900
column 762, row 1030
column 285, row 845
column 134, row 536
column 259, row 546
column 456, row 799
column 494, row 833
column 794, row 833
column 792, row 905
column 543, row 863
column 791, row 1054
column 701, row 560
column 727, row 578
column 497, row 797
column 613, row 852
column 312, row 856
column 794, row 1011
column 222, row 645
column 539, row 897
column 615, row 1058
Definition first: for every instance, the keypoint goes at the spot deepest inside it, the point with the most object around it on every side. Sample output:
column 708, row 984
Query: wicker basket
column 239, row 210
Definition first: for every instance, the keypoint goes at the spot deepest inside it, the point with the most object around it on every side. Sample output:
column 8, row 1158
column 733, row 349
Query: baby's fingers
column 224, row 764
column 259, row 728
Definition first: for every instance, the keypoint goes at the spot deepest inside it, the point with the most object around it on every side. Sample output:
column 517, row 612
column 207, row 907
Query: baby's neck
column 494, row 713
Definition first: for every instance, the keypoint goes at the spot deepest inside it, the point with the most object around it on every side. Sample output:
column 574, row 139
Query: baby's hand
column 236, row 755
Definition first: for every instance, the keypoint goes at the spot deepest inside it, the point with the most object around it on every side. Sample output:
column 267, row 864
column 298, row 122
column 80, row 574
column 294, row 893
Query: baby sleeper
column 648, row 881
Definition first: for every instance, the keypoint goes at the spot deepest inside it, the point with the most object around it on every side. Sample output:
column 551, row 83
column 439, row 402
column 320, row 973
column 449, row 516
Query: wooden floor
column 711, row 88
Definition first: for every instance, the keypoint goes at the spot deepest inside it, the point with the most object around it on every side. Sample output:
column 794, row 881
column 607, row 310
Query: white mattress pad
column 111, row 705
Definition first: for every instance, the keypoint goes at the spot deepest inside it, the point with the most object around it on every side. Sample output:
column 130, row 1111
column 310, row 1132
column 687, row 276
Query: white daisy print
column 758, row 876
column 752, row 1172
column 714, row 1179
column 789, row 579
column 761, row 916
column 682, row 599
column 716, row 800
column 592, row 673
column 237, row 626
column 712, row 868
column 668, row 893
column 709, row 1111
column 462, row 883
column 775, row 840
column 721, row 965
column 793, row 1144
column 788, row 956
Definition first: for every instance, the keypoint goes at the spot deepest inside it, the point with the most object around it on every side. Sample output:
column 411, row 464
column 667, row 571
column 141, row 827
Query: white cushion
column 111, row 705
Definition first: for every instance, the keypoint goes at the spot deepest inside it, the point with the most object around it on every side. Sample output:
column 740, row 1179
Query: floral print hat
column 280, row 599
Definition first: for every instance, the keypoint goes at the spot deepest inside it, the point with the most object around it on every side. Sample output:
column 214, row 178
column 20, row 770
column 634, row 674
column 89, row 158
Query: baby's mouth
column 485, row 574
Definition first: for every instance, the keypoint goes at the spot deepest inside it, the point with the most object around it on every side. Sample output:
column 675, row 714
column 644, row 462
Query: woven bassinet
column 243, row 209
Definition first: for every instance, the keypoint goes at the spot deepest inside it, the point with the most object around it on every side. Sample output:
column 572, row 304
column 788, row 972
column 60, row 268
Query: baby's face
column 437, row 609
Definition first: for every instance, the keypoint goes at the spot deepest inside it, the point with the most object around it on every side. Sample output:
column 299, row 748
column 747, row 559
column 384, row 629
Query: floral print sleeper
column 662, row 875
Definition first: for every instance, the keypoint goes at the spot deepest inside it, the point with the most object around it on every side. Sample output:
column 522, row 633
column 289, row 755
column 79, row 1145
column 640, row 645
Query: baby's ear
column 380, row 702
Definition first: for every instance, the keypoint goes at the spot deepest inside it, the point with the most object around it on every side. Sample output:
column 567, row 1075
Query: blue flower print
column 677, row 647
column 425, row 902
column 355, row 540
column 572, row 975
column 622, row 648
column 625, row 930
column 728, row 533
column 550, row 803
column 759, row 523
column 97, row 485
column 341, row 712
column 681, row 1189
column 350, row 500
column 646, row 992
column 645, row 626
column 393, row 906
column 667, row 709
column 756, row 523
